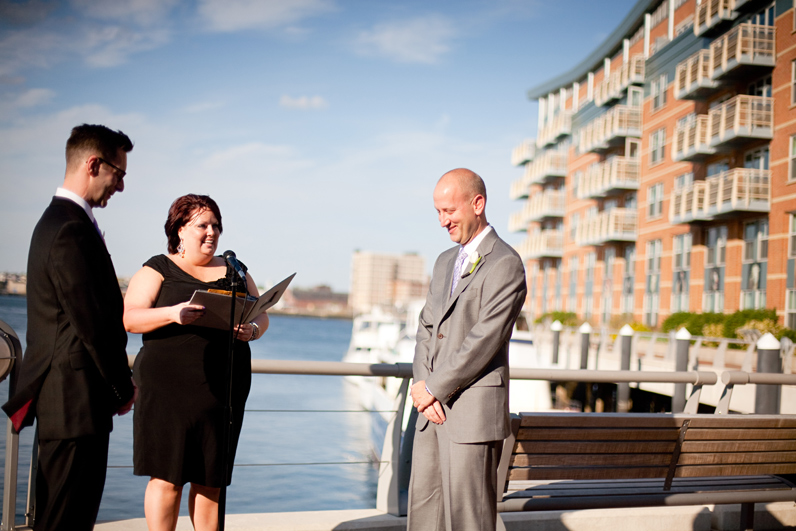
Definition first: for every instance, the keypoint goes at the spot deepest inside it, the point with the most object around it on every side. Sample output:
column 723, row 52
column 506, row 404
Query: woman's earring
column 181, row 249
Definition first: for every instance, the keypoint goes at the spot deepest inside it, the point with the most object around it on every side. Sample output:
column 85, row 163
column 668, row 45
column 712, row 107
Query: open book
column 217, row 305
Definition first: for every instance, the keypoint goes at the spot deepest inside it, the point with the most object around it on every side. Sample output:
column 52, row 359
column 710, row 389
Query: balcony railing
column 613, row 86
column 688, row 203
column 740, row 118
column 732, row 191
column 545, row 244
column 618, row 173
column 618, row 122
column 615, row 225
column 547, row 204
column 561, row 125
column 517, row 222
column 739, row 190
column 519, row 189
column 523, row 153
column 548, row 165
column 693, row 77
column 711, row 13
column 743, row 47
column 692, row 139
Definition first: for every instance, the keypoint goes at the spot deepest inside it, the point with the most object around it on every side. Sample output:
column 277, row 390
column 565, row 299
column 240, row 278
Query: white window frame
column 790, row 309
column 657, row 146
column 658, row 92
column 757, row 247
column 792, row 159
column 681, row 251
column 628, row 301
column 792, row 237
column 714, row 257
column 652, row 298
column 793, row 81
column 655, row 201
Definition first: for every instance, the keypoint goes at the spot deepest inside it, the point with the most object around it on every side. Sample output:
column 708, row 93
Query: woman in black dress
column 181, row 369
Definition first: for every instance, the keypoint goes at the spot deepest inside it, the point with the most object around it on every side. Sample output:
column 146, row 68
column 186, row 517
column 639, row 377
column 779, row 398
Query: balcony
column 519, row 189
column 613, row 87
column 730, row 192
column 615, row 225
column 740, row 119
column 547, row 166
column 692, row 79
column 614, row 175
column 560, row 125
column 523, row 153
column 610, row 129
column 517, row 222
column 711, row 15
column 544, row 244
column 738, row 190
column 743, row 51
column 547, row 204
column 692, row 140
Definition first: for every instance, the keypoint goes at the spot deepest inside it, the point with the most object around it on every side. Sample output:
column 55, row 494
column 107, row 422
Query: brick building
column 386, row 280
column 662, row 178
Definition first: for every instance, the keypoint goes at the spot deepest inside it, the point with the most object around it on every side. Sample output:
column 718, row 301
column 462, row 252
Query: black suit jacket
column 74, row 375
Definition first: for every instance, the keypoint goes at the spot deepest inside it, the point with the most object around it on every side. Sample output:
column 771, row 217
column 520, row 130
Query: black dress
column 180, row 372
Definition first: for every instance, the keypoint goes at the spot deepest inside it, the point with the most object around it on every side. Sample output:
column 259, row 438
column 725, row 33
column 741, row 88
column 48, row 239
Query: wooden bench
column 565, row 461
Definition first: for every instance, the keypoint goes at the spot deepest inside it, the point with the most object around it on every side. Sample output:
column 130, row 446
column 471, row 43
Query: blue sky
column 319, row 126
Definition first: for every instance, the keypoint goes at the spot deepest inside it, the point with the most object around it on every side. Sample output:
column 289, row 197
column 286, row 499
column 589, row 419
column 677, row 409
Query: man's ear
column 93, row 165
column 479, row 204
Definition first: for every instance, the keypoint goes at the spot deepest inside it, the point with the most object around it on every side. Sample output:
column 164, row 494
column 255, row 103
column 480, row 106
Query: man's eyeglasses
column 121, row 173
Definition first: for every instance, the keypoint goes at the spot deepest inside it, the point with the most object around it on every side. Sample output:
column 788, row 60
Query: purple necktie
column 457, row 270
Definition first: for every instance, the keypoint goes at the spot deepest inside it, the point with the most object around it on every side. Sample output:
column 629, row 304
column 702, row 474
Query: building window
column 753, row 271
column 790, row 314
column 574, row 221
column 608, row 289
column 652, row 289
column 657, row 145
column 684, row 180
column 792, row 159
column 655, row 201
column 793, row 82
column 628, row 279
column 588, row 299
column 714, row 269
column 681, row 272
column 658, row 92
column 572, row 305
column 792, row 237
column 576, row 178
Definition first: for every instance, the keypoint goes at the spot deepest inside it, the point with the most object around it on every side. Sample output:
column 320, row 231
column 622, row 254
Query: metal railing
column 742, row 116
column 550, row 163
column 541, row 244
column 710, row 13
column 744, row 44
column 617, row 173
column 559, row 126
column 736, row 190
column 618, row 122
column 617, row 224
column 544, row 204
column 523, row 153
column 692, row 138
column 613, row 86
column 519, row 189
column 693, row 74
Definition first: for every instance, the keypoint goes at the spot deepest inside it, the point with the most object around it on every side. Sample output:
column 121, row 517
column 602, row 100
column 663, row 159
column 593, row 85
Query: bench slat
column 738, row 446
column 695, row 434
column 652, row 420
column 592, row 460
column 732, row 470
column 734, row 457
column 587, row 473
column 531, row 447
column 624, row 488
column 594, row 434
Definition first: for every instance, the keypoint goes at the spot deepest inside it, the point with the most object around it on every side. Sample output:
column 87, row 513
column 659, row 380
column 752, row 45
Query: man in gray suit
column 461, row 370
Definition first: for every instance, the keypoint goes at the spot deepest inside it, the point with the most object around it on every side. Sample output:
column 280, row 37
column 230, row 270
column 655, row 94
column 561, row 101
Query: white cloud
column 303, row 102
column 235, row 15
column 421, row 40
column 34, row 97
column 113, row 44
column 145, row 12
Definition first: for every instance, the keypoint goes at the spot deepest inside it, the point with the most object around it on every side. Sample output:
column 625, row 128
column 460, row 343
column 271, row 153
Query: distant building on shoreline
column 319, row 301
column 13, row 284
column 386, row 280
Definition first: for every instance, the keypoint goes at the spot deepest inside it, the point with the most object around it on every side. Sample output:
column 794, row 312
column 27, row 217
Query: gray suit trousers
column 464, row 498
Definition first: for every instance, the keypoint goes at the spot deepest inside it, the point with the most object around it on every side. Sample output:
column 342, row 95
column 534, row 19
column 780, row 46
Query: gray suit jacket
column 463, row 339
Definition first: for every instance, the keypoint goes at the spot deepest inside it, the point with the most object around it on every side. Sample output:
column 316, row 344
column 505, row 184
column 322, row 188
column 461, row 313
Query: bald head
column 469, row 182
column 460, row 201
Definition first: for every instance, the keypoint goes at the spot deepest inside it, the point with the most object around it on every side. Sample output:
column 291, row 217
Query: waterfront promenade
column 696, row 518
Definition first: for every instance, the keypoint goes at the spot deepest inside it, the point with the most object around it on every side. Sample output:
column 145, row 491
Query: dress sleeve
column 159, row 263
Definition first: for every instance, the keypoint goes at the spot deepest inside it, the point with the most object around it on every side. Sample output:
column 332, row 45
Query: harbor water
column 305, row 443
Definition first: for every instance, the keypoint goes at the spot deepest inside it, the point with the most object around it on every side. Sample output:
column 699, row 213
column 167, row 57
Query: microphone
column 229, row 256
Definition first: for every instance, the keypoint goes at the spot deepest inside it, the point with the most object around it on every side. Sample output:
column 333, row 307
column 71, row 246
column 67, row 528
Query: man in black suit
column 74, row 376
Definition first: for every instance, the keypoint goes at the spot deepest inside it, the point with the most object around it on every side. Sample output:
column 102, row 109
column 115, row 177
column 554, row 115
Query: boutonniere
column 475, row 258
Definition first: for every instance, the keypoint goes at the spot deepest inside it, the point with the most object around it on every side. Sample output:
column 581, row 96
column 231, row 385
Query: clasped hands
column 426, row 404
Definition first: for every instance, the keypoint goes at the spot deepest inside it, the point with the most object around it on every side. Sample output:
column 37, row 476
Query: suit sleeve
column 90, row 298
column 425, row 329
column 502, row 297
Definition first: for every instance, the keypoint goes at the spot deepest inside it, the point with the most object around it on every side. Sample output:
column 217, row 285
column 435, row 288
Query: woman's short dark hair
column 182, row 210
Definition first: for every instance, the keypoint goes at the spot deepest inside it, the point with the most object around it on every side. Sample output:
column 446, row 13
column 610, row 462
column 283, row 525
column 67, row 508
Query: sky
column 319, row 126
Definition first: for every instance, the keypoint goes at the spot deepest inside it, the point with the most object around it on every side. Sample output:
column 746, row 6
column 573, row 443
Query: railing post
column 623, row 388
column 585, row 335
column 683, row 342
column 556, row 329
column 388, row 493
column 767, row 397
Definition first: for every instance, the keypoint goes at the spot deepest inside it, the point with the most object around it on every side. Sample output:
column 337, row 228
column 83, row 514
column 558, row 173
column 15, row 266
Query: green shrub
column 789, row 333
column 739, row 319
column 764, row 327
column 565, row 318
column 676, row 321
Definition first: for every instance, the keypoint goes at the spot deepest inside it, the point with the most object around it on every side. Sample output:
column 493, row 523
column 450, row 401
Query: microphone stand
column 227, row 420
